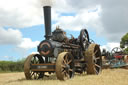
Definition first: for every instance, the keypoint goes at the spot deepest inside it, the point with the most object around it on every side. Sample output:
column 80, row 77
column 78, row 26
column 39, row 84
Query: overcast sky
column 21, row 22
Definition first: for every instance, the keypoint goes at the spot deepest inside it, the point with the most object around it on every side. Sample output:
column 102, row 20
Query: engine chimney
column 47, row 21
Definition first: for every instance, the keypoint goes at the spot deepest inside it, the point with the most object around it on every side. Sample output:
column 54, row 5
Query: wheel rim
column 65, row 66
column 94, row 59
column 33, row 59
column 97, row 61
column 84, row 39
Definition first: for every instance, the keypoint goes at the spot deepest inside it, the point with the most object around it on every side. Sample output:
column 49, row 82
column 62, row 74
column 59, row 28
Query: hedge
column 11, row 66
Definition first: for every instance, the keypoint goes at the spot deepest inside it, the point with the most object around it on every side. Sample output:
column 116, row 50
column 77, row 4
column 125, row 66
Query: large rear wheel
column 94, row 59
column 65, row 66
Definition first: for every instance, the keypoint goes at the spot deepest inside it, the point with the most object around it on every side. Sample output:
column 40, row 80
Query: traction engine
column 62, row 55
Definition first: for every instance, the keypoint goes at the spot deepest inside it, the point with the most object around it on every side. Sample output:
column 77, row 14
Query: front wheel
column 33, row 59
column 94, row 59
column 65, row 66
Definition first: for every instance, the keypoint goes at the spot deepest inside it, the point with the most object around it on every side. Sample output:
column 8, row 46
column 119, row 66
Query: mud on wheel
column 33, row 59
column 65, row 66
column 94, row 59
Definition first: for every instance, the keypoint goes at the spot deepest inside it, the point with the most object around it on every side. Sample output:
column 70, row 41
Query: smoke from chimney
column 47, row 2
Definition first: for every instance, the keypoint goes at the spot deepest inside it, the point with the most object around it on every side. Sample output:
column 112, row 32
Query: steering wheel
column 84, row 39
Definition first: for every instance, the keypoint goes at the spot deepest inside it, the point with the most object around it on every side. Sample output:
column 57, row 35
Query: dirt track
column 107, row 77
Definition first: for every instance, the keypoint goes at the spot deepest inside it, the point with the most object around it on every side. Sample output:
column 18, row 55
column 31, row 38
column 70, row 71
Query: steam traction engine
column 61, row 55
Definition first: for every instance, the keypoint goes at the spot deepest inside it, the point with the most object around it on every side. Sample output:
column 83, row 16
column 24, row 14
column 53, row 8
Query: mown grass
column 107, row 77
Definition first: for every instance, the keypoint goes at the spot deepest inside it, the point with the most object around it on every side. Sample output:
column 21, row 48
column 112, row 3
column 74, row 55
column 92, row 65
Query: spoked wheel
column 84, row 39
column 94, row 59
column 33, row 59
column 116, row 50
column 64, row 66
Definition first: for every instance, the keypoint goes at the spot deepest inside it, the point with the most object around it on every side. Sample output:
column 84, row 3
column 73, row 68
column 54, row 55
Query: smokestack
column 47, row 21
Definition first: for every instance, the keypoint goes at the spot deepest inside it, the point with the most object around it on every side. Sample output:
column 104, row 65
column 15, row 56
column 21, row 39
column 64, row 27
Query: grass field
column 107, row 77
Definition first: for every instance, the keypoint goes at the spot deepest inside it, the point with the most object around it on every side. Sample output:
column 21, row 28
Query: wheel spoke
column 97, row 65
column 66, row 58
column 37, row 62
column 38, row 75
column 34, row 60
column 34, row 76
column 95, row 52
column 71, row 70
column 95, row 70
column 64, row 61
column 97, row 58
column 69, row 61
column 63, row 66
column 63, row 72
column 66, row 75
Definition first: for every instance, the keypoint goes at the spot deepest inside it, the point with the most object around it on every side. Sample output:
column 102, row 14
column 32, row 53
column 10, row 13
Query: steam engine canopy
column 46, row 48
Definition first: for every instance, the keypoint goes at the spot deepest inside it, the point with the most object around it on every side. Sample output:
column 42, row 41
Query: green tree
column 124, row 42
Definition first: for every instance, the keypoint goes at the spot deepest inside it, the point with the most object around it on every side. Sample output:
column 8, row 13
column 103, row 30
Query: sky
column 22, row 23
